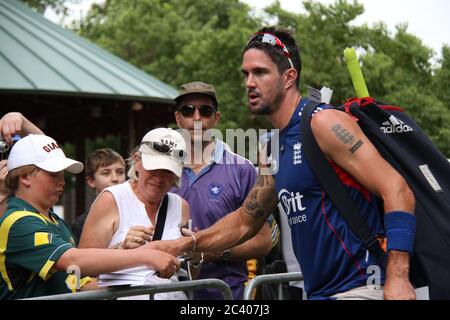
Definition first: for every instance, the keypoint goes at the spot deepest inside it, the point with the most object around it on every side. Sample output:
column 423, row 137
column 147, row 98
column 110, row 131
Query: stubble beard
column 267, row 108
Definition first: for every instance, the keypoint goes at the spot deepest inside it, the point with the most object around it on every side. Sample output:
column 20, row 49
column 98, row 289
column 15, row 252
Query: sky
column 427, row 19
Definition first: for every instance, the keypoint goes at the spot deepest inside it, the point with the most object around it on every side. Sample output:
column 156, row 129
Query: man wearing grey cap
column 214, row 183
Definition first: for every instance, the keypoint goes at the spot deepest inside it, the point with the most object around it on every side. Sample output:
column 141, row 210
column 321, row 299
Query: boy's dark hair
column 101, row 158
column 276, row 53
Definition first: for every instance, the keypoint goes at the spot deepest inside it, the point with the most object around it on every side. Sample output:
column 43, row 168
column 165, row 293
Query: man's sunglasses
column 272, row 40
column 189, row 110
column 163, row 149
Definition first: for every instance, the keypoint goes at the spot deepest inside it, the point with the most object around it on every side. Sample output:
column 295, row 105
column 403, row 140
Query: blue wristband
column 400, row 230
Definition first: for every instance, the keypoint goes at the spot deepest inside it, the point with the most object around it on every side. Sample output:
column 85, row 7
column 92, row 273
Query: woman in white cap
column 36, row 246
column 125, row 216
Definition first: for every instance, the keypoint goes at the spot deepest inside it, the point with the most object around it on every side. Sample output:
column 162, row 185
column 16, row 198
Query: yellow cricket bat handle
column 355, row 73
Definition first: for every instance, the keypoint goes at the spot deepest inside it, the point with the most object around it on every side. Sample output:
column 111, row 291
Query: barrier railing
column 279, row 278
column 112, row 293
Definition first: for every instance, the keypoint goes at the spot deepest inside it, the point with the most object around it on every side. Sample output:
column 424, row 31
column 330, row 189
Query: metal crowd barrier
column 279, row 278
column 118, row 292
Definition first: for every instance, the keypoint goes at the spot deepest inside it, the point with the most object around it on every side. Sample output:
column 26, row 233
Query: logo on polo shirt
column 215, row 190
column 297, row 154
column 292, row 206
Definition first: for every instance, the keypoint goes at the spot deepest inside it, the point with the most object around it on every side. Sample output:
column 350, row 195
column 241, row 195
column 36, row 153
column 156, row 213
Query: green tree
column 441, row 83
column 322, row 34
column 180, row 41
column 441, row 80
column 397, row 68
column 41, row 5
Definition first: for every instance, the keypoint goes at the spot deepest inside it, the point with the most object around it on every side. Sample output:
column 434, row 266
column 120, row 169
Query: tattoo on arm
column 356, row 146
column 262, row 199
column 346, row 137
column 342, row 134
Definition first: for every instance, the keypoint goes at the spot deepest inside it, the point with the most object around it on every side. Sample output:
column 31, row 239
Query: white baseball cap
column 163, row 148
column 43, row 152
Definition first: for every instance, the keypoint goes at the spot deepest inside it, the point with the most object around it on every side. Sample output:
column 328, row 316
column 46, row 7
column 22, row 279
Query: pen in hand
column 183, row 259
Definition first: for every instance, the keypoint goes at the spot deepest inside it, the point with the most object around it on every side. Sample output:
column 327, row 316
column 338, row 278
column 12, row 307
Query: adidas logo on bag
column 394, row 125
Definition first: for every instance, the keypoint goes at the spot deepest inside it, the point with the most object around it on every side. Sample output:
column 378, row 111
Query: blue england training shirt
column 332, row 259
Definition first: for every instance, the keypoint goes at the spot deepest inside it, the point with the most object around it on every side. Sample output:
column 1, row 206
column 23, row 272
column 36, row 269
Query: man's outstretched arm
column 233, row 229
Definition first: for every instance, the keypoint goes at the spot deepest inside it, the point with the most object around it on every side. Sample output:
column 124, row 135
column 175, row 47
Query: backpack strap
column 335, row 188
column 162, row 213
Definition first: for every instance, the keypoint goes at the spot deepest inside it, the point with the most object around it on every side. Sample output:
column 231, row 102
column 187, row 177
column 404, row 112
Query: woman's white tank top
column 132, row 213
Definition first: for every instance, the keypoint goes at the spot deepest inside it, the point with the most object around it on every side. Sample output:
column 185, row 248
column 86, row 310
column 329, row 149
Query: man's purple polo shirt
column 220, row 188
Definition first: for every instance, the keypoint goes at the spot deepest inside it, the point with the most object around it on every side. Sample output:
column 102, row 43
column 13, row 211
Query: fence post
column 271, row 278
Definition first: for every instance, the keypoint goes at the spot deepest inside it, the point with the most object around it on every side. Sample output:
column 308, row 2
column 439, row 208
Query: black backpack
column 404, row 145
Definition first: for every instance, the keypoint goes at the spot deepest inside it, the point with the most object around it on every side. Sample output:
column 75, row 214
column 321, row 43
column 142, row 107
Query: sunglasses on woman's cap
column 272, row 40
column 163, row 148
column 204, row 110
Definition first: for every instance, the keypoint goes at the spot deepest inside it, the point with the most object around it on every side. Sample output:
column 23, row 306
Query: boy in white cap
column 36, row 247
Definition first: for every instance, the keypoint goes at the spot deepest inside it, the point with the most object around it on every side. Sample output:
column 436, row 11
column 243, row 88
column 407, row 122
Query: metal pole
column 270, row 278
column 111, row 293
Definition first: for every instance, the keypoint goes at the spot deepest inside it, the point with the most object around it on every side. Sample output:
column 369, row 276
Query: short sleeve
column 34, row 245
column 247, row 179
